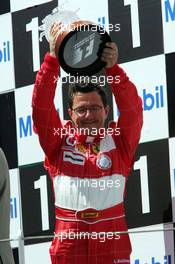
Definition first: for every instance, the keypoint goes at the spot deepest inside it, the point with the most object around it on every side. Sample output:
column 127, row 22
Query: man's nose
column 89, row 112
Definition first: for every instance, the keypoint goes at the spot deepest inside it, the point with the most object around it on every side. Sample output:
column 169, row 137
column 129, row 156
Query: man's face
column 88, row 111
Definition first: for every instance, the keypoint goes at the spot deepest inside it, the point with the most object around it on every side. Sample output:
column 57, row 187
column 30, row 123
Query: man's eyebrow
column 93, row 105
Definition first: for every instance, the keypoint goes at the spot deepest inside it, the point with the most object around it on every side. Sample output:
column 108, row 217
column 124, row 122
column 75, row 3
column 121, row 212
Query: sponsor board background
column 147, row 54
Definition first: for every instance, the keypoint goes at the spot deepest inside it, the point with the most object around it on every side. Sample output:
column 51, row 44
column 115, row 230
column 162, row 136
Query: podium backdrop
column 145, row 33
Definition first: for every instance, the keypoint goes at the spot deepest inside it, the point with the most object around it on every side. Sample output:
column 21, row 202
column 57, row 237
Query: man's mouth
column 89, row 122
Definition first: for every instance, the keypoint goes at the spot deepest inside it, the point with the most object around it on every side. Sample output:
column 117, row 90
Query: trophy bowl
column 79, row 48
column 79, row 43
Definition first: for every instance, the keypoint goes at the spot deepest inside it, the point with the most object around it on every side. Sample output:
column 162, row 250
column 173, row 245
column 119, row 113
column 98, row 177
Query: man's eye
column 81, row 111
column 95, row 109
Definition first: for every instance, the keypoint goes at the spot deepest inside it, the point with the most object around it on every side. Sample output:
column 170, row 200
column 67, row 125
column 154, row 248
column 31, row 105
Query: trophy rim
column 89, row 70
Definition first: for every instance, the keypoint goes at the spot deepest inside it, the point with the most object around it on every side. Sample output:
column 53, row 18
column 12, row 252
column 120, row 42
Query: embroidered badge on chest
column 84, row 148
column 81, row 148
column 95, row 149
column 104, row 162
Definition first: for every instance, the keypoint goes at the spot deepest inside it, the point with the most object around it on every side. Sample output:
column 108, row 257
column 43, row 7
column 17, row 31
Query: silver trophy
column 79, row 43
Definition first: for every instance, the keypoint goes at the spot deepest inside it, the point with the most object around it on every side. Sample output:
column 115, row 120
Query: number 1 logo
column 135, row 25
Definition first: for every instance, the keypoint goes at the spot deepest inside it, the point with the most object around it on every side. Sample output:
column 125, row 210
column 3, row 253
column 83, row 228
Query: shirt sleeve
column 130, row 109
column 46, row 119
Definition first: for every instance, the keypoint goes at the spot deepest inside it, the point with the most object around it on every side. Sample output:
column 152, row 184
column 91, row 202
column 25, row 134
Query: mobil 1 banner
column 4, row 7
column 148, row 199
column 16, row 255
column 27, row 139
column 170, row 64
column 8, row 128
column 168, row 18
column 172, row 172
column 15, row 208
column 37, row 202
column 19, row 5
column 37, row 252
column 141, row 33
column 149, row 77
column 6, row 53
column 28, row 50
column 152, row 244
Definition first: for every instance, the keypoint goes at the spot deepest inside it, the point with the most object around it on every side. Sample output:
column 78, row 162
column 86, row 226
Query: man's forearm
column 130, row 119
column 46, row 81
column 45, row 116
column 124, row 90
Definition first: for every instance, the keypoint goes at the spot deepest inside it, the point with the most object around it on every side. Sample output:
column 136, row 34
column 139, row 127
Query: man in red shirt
column 89, row 172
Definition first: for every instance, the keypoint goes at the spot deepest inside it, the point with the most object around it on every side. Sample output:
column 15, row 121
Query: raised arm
column 130, row 107
column 45, row 116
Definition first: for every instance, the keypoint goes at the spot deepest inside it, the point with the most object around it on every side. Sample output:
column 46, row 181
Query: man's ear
column 107, row 110
column 70, row 112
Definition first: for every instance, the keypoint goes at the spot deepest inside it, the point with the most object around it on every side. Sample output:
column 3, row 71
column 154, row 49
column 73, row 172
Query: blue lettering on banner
column 169, row 11
column 13, row 208
column 5, row 51
column 25, row 128
column 153, row 100
column 166, row 260
column 101, row 22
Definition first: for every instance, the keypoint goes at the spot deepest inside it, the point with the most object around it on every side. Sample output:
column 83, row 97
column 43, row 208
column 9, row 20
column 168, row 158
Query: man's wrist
column 51, row 62
column 111, row 70
column 52, row 54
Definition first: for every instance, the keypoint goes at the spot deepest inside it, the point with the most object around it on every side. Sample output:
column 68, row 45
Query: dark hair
column 85, row 87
